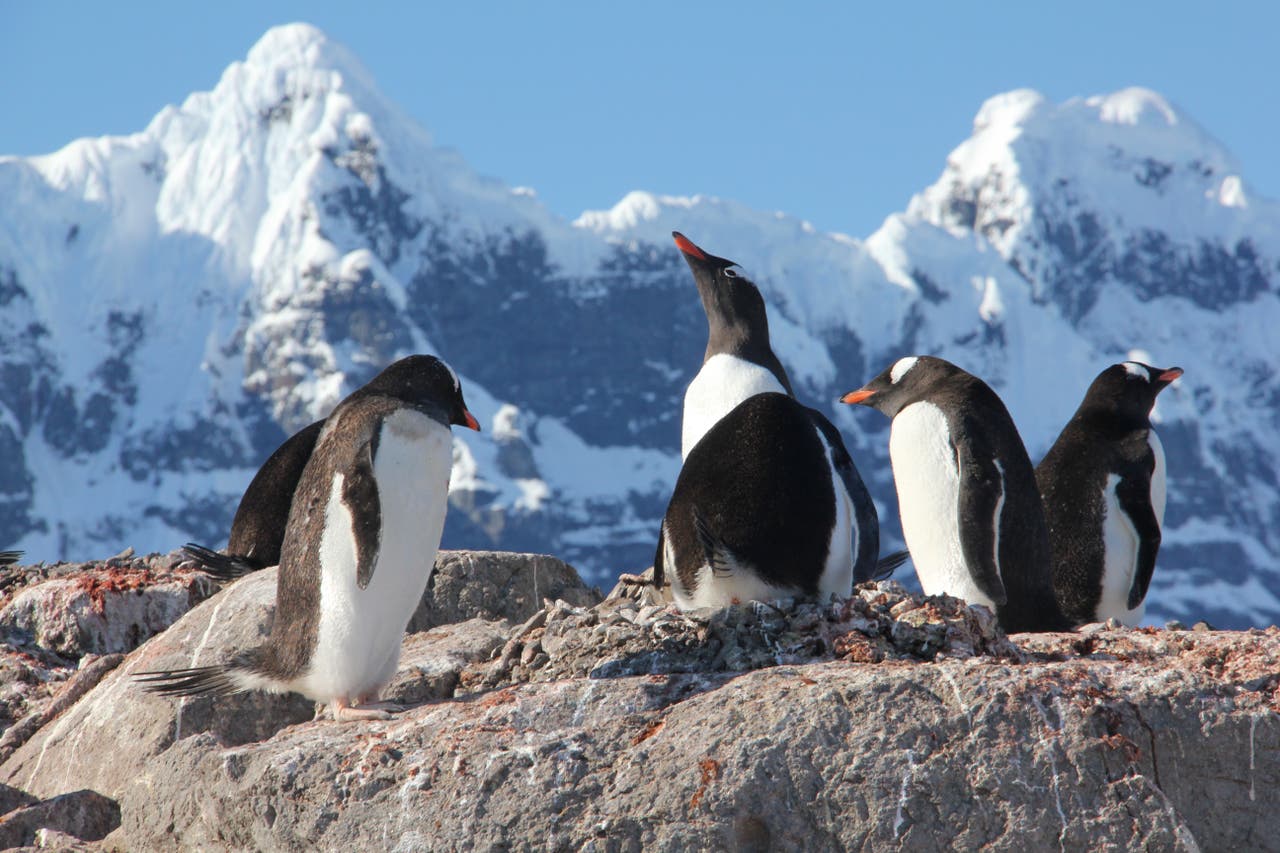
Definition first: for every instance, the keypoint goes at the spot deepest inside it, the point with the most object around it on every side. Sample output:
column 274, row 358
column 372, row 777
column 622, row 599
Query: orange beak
column 858, row 396
column 472, row 423
column 1170, row 374
column 685, row 245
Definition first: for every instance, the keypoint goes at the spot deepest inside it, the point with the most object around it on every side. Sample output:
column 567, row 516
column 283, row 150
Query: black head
column 1127, row 391
column 426, row 383
column 908, row 380
column 734, row 306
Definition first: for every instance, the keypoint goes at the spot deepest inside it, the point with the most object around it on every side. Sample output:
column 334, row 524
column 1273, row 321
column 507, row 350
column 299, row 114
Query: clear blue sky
column 835, row 112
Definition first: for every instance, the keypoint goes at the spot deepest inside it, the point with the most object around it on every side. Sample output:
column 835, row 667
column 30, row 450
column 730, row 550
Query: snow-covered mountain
column 178, row 300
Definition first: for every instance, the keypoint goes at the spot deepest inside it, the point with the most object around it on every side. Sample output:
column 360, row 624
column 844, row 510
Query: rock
column 77, row 816
column 496, row 585
column 887, row 720
column 92, row 669
column 1082, row 753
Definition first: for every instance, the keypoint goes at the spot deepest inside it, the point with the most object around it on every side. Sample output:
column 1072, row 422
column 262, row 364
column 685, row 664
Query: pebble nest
column 625, row 637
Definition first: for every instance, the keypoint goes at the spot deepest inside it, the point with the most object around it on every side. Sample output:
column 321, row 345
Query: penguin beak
column 471, row 422
column 686, row 245
column 859, row 396
column 1169, row 375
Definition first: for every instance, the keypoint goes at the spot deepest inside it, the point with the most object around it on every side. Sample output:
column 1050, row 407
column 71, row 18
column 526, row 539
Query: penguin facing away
column 257, row 531
column 359, row 547
column 1103, row 486
column 967, row 494
column 760, row 511
column 739, row 361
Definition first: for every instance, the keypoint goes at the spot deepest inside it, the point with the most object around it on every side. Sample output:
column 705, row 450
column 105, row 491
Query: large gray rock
column 882, row 721
column 1154, row 752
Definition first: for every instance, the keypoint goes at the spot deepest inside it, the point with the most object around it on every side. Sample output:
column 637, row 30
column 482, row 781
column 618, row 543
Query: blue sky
column 836, row 113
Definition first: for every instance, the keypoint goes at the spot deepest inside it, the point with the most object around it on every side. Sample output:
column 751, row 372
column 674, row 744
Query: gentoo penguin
column 971, row 514
column 358, row 550
column 9, row 557
column 768, row 505
column 739, row 361
column 257, row 530
column 1103, row 485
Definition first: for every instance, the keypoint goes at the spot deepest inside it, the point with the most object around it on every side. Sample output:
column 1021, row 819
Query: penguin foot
column 344, row 713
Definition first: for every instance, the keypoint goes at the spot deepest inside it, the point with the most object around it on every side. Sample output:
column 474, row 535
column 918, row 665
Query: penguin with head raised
column 359, row 547
column 1103, row 486
column 257, row 530
column 761, row 511
column 967, row 495
column 739, row 361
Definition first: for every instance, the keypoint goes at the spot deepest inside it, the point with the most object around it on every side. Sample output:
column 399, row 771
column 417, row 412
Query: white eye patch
column 734, row 271
column 900, row 368
column 1137, row 371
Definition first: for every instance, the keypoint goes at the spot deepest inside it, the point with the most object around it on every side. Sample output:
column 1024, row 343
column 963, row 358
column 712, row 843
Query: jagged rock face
column 335, row 237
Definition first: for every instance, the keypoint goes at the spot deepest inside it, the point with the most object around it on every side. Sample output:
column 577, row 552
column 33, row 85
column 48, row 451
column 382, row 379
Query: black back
column 737, row 323
column 348, row 444
column 985, row 441
column 1108, row 434
column 760, row 485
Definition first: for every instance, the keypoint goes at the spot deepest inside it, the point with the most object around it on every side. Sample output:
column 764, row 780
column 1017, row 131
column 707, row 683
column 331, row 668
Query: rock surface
column 882, row 721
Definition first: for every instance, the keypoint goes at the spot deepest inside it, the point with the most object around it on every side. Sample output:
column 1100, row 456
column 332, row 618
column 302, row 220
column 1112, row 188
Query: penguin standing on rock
column 257, row 531
column 359, row 547
column 760, row 511
column 1103, row 485
column 971, row 514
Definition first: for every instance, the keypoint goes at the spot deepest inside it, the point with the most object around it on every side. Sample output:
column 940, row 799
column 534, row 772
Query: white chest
column 360, row 630
column 1120, row 541
column 928, row 483
column 722, row 383
column 837, row 575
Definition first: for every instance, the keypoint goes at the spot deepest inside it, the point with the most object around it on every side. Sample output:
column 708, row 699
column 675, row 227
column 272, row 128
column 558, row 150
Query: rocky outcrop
column 885, row 720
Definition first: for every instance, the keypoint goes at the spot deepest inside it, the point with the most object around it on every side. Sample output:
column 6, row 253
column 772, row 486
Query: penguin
column 1103, row 486
column 257, row 530
column 967, row 494
column 738, row 361
column 8, row 558
column 768, row 505
column 359, row 547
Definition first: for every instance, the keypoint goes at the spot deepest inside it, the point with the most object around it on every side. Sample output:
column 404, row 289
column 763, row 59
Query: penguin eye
column 731, row 272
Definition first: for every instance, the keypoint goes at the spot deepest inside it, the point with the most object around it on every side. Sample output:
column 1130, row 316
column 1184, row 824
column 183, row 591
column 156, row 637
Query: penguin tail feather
column 196, row 681
column 888, row 564
column 715, row 552
column 8, row 557
column 223, row 567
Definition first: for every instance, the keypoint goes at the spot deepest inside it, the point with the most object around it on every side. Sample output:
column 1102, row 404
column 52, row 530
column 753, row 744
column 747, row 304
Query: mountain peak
column 1136, row 106
column 299, row 46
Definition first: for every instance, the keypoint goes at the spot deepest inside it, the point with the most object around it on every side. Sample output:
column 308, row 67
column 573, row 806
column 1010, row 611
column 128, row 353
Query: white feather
column 1120, row 541
column 361, row 630
column 837, row 575
column 928, row 483
column 722, row 383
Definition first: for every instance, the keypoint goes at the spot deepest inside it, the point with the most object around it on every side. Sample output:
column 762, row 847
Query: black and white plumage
column 967, row 494
column 8, row 558
column 359, row 547
column 739, row 361
column 1103, row 486
column 257, row 531
column 767, row 506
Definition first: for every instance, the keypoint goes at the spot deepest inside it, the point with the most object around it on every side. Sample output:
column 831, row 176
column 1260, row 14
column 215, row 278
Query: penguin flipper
column 360, row 494
column 716, row 553
column 223, row 567
column 658, row 568
column 865, row 521
column 982, row 500
column 9, row 557
column 1134, row 497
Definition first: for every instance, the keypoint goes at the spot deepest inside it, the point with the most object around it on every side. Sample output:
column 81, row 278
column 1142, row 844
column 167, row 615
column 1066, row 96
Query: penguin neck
column 1112, row 423
column 744, row 340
